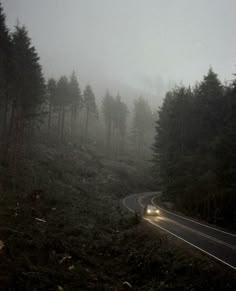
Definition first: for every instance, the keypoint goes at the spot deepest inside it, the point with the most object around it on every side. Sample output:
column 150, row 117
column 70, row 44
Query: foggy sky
column 142, row 44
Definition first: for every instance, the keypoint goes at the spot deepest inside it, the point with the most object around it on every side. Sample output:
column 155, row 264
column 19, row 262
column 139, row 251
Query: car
column 151, row 210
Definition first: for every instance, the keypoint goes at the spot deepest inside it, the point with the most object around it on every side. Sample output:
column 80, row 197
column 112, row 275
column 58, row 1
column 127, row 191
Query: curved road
column 219, row 244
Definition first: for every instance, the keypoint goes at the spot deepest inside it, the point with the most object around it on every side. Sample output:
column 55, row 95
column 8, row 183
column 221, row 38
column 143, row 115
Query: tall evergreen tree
column 29, row 88
column 5, row 70
column 120, row 115
column 143, row 123
column 209, row 107
column 75, row 99
column 90, row 106
column 63, row 100
column 52, row 93
column 194, row 149
column 29, row 82
column 27, row 95
column 108, row 105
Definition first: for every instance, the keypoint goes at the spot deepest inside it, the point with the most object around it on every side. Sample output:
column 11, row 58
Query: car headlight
column 157, row 211
column 149, row 211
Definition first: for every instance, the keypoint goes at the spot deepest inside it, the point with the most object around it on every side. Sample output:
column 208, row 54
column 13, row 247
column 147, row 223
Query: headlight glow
column 157, row 211
column 149, row 211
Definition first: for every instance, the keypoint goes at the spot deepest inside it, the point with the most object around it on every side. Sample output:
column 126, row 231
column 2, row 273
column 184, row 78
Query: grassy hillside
column 64, row 228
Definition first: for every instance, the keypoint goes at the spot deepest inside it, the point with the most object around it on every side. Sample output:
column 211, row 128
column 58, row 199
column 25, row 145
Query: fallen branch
column 40, row 220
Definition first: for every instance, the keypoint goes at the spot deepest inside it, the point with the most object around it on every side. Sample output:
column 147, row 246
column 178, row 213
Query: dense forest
column 34, row 109
column 195, row 149
column 69, row 158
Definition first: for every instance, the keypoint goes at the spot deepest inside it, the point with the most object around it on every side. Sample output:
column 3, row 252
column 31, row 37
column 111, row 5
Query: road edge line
column 229, row 265
column 123, row 201
column 190, row 228
column 194, row 221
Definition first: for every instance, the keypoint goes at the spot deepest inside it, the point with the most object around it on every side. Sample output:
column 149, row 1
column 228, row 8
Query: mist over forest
column 117, row 145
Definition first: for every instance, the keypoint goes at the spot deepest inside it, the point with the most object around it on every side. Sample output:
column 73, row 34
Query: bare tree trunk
column 86, row 124
column 62, row 124
column 49, row 117
column 77, row 116
column 59, row 122
column 109, row 136
column 4, row 125
column 72, row 120
column 12, row 117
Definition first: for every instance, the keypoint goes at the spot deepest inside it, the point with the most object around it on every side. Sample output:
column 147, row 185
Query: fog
column 130, row 46
column 117, row 145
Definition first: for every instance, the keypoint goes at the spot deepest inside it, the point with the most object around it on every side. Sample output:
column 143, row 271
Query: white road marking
column 190, row 228
column 194, row 221
column 127, row 205
column 204, row 235
column 156, row 225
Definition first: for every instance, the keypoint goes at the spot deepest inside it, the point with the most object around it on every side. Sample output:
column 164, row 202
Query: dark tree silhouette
column 76, row 101
column 120, row 115
column 52, row 95
column 194, row 150
column 89, row 106
column 108, row 106
column 63, row 100
column 142, row 124
column 5, row 72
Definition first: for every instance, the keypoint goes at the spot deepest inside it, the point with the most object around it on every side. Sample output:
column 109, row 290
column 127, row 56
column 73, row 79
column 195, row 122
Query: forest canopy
column 195, row 152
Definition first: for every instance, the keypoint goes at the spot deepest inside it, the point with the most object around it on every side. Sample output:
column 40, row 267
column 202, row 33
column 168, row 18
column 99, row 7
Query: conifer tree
column 143, row 123
column 76, row 100
column 120, row 114
column 29, row 82
column 89, row 106
column 108, row 105
column 5, row 72
column 63, row 100
column 52, row 91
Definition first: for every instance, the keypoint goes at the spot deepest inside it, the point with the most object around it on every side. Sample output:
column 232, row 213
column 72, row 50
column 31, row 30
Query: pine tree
column 142, row 124
column 194, row 150
column 27, row 96
column 225, row 153
column 29, row 82
column 173, row 141
column 75, row 99
column 108, row 105
column 5, row 71
column 63, row 101
column 90, row 106
column 52, row 91
column 28, row 87
column 120, row 114
column 209, row 107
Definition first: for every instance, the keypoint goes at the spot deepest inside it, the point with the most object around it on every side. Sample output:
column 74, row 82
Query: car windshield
column 151, row 207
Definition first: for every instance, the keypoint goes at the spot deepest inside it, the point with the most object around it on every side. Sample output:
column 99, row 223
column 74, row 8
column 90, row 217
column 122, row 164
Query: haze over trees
column 76, row 101
column 21, row 90
column 90, row 107
column 195, row 153
column 68, row 159
column 142, row 125
column 108, row 105
column 60, row 108
column 115, row 113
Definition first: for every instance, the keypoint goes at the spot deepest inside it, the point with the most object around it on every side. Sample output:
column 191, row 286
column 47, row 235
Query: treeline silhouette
column 195, row 149
column 59, row 110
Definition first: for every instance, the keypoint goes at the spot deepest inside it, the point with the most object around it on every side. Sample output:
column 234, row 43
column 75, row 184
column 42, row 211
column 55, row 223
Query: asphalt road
column 219, row 244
